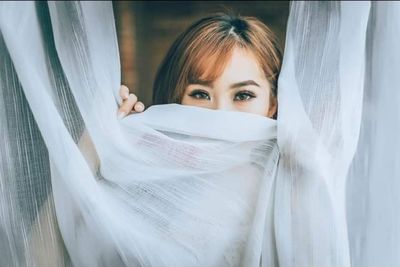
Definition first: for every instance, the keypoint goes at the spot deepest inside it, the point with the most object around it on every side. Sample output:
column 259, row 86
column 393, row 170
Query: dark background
column 146, row 30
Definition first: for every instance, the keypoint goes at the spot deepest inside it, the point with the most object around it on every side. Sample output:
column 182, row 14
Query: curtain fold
column 320, row 103
column 373, row 182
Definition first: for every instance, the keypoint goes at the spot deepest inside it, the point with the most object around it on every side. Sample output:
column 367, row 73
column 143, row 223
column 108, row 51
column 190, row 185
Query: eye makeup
column 199, row 94
column 244, row 95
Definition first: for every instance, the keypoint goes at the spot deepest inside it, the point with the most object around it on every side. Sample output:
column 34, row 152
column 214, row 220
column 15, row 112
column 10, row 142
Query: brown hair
column 206, row 46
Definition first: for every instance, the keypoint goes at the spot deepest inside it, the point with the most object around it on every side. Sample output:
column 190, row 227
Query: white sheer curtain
column 185, row 186
column 320, row 103
column 373, row 186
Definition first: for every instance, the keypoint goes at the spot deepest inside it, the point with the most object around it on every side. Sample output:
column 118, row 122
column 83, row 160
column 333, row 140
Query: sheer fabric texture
column 187, row 186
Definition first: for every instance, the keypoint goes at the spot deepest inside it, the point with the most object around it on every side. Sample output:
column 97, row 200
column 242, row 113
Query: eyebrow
column 233, row 86
column 244, row 83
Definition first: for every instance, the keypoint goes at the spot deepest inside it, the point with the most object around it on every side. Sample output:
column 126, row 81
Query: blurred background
column 146, row 30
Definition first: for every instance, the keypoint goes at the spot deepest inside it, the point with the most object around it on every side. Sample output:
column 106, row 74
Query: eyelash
column 204, row 95
column 196, row 93
column 249, row 95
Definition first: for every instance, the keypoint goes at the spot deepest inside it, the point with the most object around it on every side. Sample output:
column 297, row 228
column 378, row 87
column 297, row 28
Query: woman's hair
column 204, row 49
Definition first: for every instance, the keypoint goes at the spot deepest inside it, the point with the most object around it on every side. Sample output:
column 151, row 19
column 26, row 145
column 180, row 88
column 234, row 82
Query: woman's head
column 222, row 62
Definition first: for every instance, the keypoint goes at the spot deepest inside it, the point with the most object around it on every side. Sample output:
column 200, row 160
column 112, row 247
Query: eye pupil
column 201, row 95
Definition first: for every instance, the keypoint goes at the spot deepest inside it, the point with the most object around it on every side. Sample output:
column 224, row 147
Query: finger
column 127, row 106
column 124, row 92
column 139, row 107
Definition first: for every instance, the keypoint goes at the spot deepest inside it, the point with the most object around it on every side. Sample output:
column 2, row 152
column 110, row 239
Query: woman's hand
column 130, row 103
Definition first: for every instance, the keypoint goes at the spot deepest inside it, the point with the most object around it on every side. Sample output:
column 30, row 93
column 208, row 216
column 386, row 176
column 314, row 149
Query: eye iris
column 243, row 96
column 200, row 95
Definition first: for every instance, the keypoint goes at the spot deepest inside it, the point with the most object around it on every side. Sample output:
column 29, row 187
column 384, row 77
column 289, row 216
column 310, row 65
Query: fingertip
column 139, row 107
column 124, row 92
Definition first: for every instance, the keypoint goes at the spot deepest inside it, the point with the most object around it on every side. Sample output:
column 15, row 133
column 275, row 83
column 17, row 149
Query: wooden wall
column 146, row 29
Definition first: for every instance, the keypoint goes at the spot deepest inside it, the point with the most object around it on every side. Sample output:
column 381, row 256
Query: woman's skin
column 242, row 86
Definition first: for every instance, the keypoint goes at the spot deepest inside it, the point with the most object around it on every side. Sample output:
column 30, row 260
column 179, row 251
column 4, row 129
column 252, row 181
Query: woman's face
column 241, row 87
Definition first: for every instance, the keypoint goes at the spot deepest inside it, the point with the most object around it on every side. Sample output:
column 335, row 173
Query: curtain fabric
column 186, row 186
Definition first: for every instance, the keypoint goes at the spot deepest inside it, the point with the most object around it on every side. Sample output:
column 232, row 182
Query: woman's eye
column 244, row 96
column 200, row 95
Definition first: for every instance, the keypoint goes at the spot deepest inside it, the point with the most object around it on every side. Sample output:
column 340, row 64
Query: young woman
column 220, row 62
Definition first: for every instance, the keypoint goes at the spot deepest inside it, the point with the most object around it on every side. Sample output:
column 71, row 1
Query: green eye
column 197, row 94
column 244, row 96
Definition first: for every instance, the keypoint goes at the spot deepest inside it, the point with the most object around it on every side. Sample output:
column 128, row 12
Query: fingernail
column 125, row 92
column 139, row 107
column 121, row 114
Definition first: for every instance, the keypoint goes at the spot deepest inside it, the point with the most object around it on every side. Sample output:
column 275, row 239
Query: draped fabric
column 187, row 186
column 174, row 186
column 374, row 178
column 320, row 99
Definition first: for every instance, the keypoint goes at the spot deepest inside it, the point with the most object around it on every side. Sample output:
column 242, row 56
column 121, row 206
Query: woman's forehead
column 240, row 65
